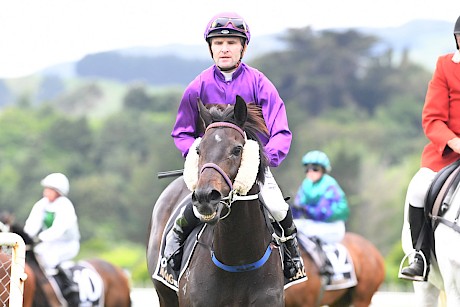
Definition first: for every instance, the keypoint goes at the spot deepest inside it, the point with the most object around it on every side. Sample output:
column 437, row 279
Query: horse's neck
column 45, row 294
column 243, row 232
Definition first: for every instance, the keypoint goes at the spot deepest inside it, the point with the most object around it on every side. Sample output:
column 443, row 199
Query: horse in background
column 234, row 262
column 116, row 285
column 370, row 274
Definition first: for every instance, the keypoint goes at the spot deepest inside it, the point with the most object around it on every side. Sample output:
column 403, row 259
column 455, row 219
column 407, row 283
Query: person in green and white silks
column 54, row 224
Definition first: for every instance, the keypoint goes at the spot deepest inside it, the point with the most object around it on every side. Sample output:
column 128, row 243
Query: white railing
column 12, row 264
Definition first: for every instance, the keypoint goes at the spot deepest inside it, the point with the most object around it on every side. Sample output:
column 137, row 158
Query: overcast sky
column 35, row 34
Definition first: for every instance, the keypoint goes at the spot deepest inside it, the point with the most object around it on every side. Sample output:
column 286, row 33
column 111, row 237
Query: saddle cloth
column 163, row 272
column 87, row 279
column 344, row 271
column 168, row 276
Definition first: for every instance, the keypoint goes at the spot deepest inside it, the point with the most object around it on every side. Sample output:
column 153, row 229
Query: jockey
column 53, row 223
column 440, row 118
column 321, row 207
column 227, row 36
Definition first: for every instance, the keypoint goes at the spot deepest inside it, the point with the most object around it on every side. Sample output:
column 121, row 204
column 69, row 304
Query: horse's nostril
column 215, row 196
column 206, row 196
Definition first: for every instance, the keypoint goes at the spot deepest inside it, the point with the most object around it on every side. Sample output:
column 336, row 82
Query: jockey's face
column 314, row 172
column 226, row 51
column 51, row 194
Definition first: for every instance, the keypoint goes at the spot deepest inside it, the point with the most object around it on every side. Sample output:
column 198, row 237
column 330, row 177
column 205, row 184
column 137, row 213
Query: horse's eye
column 237, row 151
column 198, row 151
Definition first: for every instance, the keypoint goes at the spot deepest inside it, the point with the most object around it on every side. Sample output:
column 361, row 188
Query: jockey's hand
column 454, row 144
column 37, row 240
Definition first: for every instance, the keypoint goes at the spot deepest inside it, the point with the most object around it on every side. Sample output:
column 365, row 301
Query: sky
column 35, row 34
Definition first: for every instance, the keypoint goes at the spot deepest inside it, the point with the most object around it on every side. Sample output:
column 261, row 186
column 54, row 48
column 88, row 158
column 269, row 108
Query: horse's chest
column 204, row 284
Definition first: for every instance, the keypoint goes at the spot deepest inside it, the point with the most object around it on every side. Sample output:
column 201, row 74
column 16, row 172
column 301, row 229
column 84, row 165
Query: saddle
column 343, row 273
column 439, row 195
column 437, row 201
column 83, row 286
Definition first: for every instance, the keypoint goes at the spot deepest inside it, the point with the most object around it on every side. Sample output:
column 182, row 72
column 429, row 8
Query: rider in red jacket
column 441, row 124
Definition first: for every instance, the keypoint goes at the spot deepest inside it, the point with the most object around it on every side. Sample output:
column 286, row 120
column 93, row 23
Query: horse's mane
column 253, row 127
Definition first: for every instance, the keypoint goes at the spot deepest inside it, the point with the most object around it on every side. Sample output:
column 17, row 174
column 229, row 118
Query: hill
column 177, row 64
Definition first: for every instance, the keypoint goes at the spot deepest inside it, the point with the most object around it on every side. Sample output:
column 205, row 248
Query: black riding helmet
column 457, row 30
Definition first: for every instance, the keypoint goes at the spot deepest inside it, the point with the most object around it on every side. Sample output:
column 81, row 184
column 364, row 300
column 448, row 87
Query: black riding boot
column 325, row 266
column 416, row 269
column 185, row 222
column 293, row 264
column 69, row 288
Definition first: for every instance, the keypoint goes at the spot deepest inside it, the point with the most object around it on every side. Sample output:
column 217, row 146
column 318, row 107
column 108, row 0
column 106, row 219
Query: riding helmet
column 317, row 157
column 57, row 182
column 227, row 28
column 457, row 30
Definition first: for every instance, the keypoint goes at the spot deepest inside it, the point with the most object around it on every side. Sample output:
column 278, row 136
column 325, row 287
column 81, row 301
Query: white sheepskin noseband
column 191, row 166
column 247, row 173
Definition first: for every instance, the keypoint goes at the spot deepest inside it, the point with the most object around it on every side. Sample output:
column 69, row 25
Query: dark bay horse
column 115, row 281
column 224, row 181
column 370, row 274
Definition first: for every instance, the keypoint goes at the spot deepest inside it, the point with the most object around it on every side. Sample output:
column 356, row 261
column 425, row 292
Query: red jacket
column 441, row 114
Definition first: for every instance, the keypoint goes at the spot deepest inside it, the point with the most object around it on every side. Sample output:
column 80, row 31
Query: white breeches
column 53, row 253
column 418, row 187
column 328, row 232
column 273, row 197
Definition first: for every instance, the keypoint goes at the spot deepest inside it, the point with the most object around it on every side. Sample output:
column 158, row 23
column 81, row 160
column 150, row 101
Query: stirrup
column 424, row 277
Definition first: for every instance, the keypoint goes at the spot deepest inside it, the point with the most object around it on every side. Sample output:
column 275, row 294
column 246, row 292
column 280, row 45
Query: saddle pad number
column 90, row 285
column 337, row 255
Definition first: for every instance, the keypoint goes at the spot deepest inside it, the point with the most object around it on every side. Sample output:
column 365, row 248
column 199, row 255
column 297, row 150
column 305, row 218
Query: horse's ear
column 204, row 113
column 240, row 111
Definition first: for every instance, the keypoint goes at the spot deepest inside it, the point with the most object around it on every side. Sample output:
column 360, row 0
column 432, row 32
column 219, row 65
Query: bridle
column 233, row 195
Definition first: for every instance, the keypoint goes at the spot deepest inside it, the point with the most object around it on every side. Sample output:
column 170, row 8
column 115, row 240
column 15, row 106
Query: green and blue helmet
column 317, row 157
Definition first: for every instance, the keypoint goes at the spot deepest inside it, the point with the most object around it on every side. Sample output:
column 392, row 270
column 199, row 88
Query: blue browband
column 244, row 267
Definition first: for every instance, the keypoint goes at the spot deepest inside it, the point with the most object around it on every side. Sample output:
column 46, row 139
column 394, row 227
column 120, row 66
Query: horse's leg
column 166, row 296
column 426, row 294
column 448, row 262
column 369, row 267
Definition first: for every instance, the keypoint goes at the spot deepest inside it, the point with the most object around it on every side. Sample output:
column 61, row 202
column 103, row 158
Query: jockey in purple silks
column 228, row 36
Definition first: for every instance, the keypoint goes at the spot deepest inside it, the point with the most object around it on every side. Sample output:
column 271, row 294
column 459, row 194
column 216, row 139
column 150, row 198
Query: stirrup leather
column 424, row 277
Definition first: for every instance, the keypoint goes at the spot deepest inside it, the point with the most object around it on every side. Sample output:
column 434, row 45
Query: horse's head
column 6, row 220
column 228, row 159
column 8, row 224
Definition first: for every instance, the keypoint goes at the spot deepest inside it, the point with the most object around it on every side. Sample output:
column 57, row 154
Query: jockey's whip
column 174, row 173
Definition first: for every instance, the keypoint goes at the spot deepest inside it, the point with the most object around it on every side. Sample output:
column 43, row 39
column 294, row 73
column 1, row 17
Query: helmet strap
column 230, row 68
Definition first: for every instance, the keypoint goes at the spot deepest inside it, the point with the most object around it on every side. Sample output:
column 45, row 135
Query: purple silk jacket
column 253, row 86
